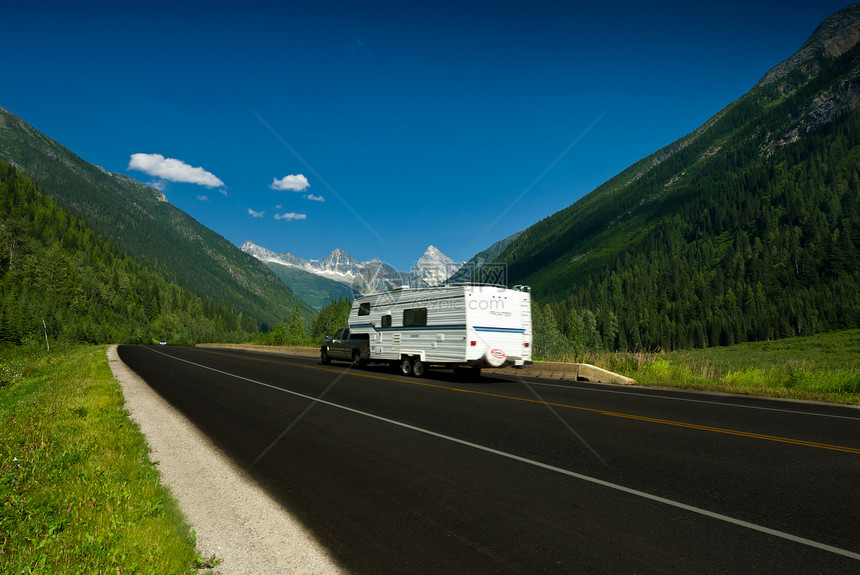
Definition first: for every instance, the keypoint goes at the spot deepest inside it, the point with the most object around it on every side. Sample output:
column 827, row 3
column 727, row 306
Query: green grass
column 824, row 367
column 78, row 492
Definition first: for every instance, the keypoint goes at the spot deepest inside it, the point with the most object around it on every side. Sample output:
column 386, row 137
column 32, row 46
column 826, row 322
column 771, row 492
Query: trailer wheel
column 418, row 368
column 406, row 366
column 324, row 358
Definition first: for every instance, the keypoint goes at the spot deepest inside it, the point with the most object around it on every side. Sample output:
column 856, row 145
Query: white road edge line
column 601, row 482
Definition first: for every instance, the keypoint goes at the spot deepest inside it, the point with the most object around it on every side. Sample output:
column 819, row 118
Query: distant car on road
column 162, row 342
column 346, row 345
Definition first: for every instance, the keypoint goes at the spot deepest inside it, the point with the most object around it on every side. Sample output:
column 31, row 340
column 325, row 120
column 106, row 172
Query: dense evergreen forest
column 139, row 221
column 330, row 318
column 774, row 254
column 59, row 277
column 721, row 238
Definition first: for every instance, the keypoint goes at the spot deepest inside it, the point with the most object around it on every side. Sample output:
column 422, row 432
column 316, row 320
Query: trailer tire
column 324, row 358
column 406, row 366
column 418, row 368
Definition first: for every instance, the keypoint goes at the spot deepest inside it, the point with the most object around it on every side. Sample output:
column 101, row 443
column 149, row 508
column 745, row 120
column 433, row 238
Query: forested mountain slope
column 746, row 229
column 314, row 290
column 137, row 219
column 481, row 259
column 59, row 277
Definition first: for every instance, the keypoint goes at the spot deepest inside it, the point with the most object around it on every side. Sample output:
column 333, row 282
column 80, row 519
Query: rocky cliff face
column 842, row 98
column 833, row 38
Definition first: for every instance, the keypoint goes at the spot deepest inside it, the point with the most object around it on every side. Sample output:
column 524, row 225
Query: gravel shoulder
column 233, row 517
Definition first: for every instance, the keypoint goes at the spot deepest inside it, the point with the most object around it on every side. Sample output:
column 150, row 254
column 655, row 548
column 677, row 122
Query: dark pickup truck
column 354, row 347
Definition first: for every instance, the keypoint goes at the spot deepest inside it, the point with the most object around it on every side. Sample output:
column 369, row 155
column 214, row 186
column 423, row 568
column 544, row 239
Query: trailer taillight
column 473, row 343
column 526, row 344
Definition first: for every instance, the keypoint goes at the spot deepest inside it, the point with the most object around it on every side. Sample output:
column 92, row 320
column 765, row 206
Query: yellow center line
column 568, row 406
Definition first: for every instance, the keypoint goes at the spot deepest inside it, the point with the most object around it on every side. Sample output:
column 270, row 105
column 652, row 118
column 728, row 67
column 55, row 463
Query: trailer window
column 364, row 308
column 386, row 320
column 415, row 317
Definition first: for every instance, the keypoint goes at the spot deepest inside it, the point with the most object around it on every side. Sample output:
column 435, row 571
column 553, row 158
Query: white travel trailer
column 466, row 327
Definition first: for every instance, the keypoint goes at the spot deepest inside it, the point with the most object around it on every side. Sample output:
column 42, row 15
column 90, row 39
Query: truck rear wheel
column 356, row 359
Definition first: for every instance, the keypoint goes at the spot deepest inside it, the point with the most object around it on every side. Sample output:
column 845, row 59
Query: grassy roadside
column 822, row 368
column 78, row 493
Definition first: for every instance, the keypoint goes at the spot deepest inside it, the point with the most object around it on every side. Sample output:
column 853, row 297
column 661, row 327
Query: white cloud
column 159, row 185
column 361, row 48
column 257, row 214
column 291, row 216
column 314, row 198
column 203, row 198
column 291, row 183
column 172, row 170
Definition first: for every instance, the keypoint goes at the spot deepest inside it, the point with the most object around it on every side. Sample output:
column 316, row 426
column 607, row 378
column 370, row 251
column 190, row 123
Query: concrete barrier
column 566, row 372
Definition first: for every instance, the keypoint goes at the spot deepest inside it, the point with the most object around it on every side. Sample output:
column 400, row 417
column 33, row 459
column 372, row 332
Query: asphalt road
column 509, row 475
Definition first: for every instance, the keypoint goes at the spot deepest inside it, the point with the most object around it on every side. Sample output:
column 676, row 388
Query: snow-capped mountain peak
column 259, row 252
column 338, row 261
column 266, row 255
column 431, row 269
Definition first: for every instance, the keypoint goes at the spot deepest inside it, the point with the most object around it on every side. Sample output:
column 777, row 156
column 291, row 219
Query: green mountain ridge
column 146, row 227
column 60, row 281
column 314, row 290
column 481, row 259
column 746, row 229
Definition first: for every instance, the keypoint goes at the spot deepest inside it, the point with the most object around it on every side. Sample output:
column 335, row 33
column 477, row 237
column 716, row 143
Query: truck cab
column 346, row 345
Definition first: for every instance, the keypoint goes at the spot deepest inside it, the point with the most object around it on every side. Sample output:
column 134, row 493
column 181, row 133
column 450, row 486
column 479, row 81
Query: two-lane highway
column 433, row 475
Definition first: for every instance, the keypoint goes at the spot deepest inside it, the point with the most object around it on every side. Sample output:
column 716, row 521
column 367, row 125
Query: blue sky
column 383, row 127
